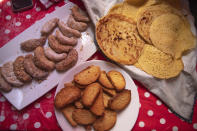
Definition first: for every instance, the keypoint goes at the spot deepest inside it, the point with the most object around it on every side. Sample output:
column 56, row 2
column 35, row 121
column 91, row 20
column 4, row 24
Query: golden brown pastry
column 83, row 116
column 66, row 96
column 88, row 75
column 90, row 93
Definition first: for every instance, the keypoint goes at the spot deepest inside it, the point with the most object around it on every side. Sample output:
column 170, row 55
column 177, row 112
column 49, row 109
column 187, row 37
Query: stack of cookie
column 60, row 54
column 94, row 98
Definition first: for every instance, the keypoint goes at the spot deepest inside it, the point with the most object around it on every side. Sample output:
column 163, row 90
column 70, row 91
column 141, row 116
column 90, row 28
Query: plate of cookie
column 96, row 95
column 35, row 61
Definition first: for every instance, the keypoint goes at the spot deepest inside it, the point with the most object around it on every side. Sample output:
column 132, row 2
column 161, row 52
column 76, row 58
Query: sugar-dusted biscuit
column 31, row 44
column 80, row 26
column 68, row 62
column 19, row 70
column 64, row 39
column 56, row 46
column 8, row 74
column 78, row 15
column 4, row 86
column 32, row 69
column 52, row 55
column 67, row 31
column 49, row 26
column 41, row 61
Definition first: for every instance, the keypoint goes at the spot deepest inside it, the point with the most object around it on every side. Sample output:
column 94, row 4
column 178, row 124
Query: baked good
column 117, row 79
column 120, row 101
column 88, row 75
column 66, row 96
column 106, row 122
column 118, row 38
column 90, row 93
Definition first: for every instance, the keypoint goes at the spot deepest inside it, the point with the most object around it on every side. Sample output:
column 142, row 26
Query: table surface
column 153, row 114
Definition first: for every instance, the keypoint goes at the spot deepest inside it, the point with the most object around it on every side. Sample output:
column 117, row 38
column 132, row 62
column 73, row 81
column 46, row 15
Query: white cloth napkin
column 178, row 93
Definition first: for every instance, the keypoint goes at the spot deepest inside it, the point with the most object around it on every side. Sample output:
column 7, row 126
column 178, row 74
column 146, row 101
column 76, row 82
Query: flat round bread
column 146, row 15
column 118, row 38
column 124, row 9
column 142, row 2
column 171, row 35
column 130, row 8
column 159, row 64
column 136, row 2
column 174, row 3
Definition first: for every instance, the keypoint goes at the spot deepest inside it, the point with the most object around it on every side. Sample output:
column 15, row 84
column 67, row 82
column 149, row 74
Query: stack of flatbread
column 153, row 37
column 153, row 41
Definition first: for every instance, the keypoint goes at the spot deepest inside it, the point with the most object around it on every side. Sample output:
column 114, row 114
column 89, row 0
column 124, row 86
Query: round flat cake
column 146, row 15
column 118, row 38
column 124, row 9
column 170, row 34
column 158, row 63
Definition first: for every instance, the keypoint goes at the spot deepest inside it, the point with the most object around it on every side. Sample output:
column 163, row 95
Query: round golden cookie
column 118, row 38
column 159, row 64
column 146, row 15
column 171, row 35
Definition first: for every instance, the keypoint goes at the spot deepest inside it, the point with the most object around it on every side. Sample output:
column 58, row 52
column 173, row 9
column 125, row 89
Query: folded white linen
column 178, row 93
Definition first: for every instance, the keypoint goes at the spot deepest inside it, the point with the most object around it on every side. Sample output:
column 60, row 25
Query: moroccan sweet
column 170, row 34
column 118, row 38
column 124, row 9
column 146, row 15
column 158, row 63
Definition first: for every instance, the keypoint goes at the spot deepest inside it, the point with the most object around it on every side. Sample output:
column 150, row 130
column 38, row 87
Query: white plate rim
column 133, row 107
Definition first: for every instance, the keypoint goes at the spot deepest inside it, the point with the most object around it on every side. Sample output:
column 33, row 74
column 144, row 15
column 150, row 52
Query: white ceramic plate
column 21, row 97
column 126, row 119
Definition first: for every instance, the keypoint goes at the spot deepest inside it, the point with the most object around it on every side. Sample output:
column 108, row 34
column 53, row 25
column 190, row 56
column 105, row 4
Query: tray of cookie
column 34, row 61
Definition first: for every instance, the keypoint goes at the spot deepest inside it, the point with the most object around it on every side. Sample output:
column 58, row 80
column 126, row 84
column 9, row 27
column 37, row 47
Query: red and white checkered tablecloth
column 153, row 114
